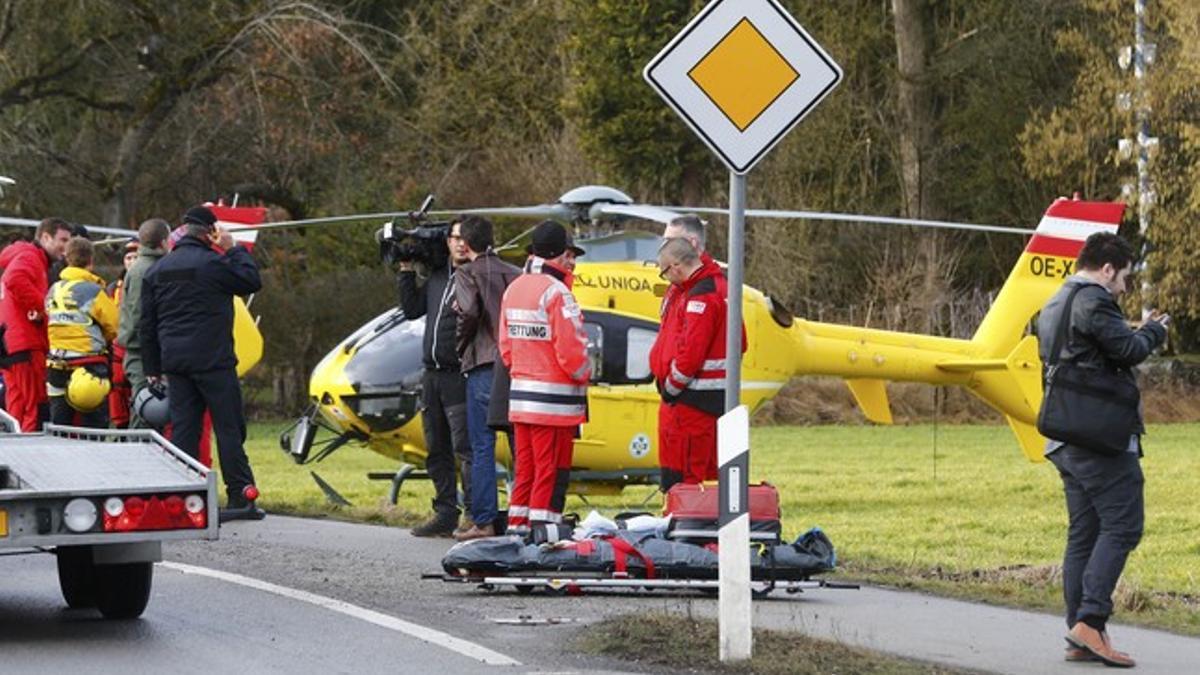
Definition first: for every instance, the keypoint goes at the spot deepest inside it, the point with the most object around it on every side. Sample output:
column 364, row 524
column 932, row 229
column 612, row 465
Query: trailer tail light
column 169, row 512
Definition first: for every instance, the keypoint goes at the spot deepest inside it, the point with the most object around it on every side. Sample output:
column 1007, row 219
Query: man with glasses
column 443, row 388
column 688, row 356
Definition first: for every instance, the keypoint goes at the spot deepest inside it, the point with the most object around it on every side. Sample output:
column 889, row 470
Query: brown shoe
column 1077, row 655
column 463, row 525
column 476, row 532
column 1087, row 638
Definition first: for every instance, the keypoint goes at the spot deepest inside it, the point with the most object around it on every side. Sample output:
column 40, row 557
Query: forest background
column 978, row 111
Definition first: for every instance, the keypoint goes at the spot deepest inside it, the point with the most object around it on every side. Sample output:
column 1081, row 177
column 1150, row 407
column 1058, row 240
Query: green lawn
column 951, row 509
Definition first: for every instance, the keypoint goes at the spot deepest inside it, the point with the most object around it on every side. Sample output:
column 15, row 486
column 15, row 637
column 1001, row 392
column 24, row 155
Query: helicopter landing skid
column 409, row 471
column 405, row 472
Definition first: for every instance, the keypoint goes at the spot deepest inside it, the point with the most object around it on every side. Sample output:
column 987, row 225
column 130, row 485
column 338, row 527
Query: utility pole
column 1140, row 56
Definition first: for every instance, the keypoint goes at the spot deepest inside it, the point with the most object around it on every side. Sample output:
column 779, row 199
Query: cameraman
column 443, row 388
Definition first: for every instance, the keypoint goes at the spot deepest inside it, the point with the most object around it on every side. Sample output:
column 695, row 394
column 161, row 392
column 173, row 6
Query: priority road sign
column 742, row 74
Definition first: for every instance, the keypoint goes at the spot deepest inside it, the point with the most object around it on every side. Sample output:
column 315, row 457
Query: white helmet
column 152, row 406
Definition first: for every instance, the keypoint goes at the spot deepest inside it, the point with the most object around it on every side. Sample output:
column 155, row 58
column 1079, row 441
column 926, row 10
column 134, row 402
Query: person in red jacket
column 23, row 286
column 544, row 346
column 688, row 362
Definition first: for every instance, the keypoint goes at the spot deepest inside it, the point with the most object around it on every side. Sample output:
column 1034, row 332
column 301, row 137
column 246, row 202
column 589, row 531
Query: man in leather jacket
column 480, row 286
column 1104, row 493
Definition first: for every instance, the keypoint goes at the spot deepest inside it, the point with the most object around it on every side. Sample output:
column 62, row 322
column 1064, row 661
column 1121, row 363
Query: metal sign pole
column 736, row 275
column 733, row 451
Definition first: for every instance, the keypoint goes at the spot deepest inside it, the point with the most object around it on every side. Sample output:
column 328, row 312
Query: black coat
column 187, row 307
column 1099, row 336
column 437, row 350
column 497, row 417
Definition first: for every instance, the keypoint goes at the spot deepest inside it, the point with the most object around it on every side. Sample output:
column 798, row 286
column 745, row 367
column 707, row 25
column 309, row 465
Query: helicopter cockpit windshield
column 385, row 370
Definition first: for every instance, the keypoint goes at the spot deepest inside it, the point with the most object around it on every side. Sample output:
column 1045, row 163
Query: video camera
column 423, row 243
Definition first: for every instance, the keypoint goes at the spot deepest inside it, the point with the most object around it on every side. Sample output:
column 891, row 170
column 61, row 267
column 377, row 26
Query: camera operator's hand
column 406, row 266
column 1161, row 318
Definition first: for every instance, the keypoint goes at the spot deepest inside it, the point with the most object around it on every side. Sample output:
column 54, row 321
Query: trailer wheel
column 77, row 576
column 123, row 590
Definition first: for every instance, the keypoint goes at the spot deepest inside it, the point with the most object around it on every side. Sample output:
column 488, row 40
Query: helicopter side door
column 622, row 394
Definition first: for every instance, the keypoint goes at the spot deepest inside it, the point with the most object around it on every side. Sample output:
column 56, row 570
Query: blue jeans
column 483, row 446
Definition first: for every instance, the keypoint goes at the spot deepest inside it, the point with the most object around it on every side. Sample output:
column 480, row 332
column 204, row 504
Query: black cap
column 200, row 215
column 551, row 239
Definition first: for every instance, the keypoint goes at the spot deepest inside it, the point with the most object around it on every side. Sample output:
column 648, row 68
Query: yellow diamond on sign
column 743, row 74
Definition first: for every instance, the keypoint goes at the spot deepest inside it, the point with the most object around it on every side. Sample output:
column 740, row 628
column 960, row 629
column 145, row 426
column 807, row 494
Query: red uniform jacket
column 544, row 346
column 23, row 287
column 688, row 356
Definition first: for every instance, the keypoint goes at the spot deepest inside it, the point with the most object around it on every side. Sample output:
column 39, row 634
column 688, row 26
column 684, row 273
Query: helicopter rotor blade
column 110, row 231
column 857, row 218
column 643, row 211
column 557, row 211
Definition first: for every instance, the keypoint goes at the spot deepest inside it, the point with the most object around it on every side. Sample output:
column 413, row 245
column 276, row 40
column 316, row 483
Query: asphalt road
column 293, row 595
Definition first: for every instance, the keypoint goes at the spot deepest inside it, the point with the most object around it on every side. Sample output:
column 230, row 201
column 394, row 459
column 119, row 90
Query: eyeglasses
column 662, row 273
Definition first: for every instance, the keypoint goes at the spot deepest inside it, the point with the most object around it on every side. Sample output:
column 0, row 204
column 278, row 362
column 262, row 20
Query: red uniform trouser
column 118, row 396
column 205, row 448
column 687, row 447
column 542, row 452
column 25, row 391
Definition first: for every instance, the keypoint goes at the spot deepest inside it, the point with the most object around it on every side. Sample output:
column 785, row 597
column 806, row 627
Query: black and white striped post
column 733, row 456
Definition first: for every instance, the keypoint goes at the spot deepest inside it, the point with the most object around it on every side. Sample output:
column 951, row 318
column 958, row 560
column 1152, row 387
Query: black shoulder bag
column 1092, row 408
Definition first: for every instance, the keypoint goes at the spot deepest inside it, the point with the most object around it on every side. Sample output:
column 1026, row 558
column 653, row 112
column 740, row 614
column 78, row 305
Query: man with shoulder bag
column 1091, row 414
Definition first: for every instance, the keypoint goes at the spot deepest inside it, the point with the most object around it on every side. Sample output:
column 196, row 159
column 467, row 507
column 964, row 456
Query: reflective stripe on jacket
column 81, row 317
column 542, row 342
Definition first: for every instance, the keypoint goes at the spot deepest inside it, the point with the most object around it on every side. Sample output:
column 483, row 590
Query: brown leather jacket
column 478, row 289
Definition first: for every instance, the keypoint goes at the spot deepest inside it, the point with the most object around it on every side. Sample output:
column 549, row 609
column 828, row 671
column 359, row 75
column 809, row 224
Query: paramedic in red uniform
column 688, row 362
column 543, row 344
column 23, row 285
column 690, row 229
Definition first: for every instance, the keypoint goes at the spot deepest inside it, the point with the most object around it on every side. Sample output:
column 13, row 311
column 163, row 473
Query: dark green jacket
column 131, row 302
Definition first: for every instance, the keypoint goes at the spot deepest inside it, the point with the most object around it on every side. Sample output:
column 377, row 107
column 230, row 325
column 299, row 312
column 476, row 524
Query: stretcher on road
column 573, row 585
column 632, row 560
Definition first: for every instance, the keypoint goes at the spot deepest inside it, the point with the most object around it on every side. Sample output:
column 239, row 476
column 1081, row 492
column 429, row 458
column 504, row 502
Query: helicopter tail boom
column 1000, row 364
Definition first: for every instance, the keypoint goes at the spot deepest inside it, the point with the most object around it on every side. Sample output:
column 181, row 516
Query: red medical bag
column 693, row 510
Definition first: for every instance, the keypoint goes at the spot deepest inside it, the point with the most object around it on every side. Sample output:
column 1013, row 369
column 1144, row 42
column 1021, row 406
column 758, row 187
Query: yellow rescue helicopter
column 366, row 390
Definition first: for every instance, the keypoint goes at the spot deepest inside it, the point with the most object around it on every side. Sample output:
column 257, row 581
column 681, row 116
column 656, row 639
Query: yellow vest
column 81, row 318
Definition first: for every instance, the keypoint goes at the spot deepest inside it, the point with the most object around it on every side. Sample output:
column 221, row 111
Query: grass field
column 949, row 509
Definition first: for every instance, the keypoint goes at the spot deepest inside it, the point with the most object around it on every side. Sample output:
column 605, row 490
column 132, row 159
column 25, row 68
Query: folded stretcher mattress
column 638, row 555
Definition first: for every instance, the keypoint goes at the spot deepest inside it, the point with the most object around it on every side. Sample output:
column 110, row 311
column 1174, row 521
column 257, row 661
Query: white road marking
column 435, row 637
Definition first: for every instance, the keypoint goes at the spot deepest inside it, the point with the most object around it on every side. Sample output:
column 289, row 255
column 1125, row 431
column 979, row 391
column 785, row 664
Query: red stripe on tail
column 1099, row 212
column 1063, row 248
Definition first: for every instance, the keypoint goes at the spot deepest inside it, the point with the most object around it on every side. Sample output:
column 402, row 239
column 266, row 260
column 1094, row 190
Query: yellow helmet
column 86, row 392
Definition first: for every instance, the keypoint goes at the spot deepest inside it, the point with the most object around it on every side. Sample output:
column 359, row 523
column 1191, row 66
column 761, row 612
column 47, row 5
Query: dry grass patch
column 659, row 639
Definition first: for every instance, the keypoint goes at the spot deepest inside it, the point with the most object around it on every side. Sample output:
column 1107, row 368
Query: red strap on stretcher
column 621, row 549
